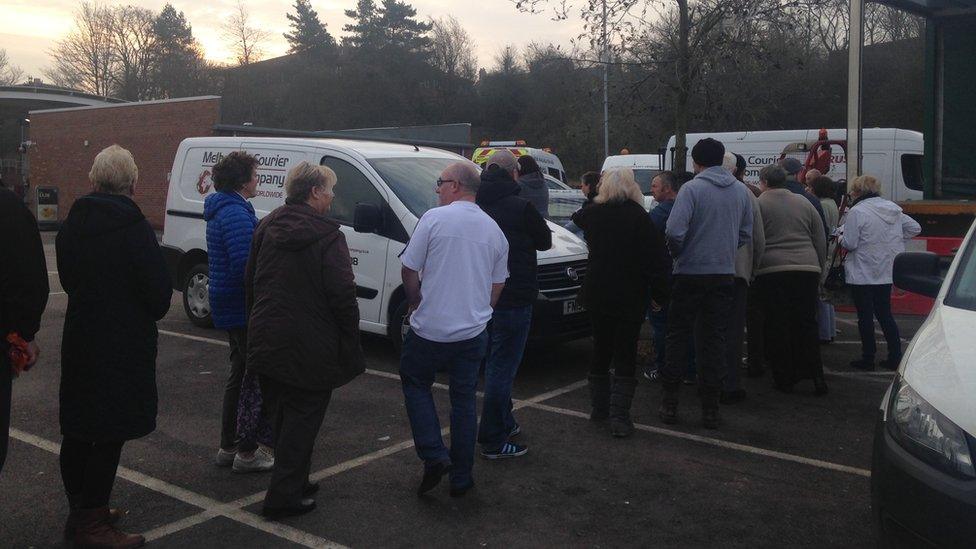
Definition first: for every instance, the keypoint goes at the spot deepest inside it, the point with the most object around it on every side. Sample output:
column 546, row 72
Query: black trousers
column 298, row 416
column 699, row 311
column 614, row 341
column 736, row 335
column 5, row 390
column 790, row 301
column 88, row 471
column 232, row 393
column 755, row 344
column 874, row 301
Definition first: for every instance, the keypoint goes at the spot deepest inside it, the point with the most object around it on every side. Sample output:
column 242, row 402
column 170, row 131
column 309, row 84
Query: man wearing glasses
column 462, row 257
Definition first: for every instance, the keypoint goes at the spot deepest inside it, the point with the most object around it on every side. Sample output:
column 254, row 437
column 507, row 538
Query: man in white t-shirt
column 462, row 257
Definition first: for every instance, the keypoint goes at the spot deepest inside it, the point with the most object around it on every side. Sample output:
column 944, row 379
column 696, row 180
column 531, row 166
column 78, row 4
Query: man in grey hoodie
column 711, row 219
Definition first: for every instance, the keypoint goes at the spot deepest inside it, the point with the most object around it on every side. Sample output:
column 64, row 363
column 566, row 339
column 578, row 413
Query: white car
column 563, row 200
column 383, row 190
column 645, row 167
column 923, row 481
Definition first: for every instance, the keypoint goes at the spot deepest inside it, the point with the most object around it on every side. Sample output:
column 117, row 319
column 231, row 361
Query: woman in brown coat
column 303, row 327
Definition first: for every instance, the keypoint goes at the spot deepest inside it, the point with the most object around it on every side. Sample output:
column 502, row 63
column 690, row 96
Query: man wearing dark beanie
column 711, row 219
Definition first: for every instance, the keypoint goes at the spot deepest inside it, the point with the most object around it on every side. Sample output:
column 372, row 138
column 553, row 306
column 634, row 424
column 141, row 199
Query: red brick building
column 65, row 141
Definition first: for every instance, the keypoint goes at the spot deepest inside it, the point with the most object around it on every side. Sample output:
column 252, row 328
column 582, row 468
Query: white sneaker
column 225, row 458
column 261, row 461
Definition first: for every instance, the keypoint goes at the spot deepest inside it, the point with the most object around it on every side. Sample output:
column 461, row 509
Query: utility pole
column 605, row 57
column 855, row 44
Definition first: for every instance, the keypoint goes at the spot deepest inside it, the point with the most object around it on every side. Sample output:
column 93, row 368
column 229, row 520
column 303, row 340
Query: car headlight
column 928, row 434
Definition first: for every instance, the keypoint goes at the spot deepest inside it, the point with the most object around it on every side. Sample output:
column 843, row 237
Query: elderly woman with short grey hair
column 874, row 232
column 118, row 286
column 303, row 327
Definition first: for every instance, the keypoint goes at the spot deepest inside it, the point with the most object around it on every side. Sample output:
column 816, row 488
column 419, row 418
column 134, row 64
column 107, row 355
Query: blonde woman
column 874, row 232
column 118, row 287
column 625, row 271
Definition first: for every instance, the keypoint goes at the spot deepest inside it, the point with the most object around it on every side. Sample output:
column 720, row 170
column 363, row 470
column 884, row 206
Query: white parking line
column 178, row 493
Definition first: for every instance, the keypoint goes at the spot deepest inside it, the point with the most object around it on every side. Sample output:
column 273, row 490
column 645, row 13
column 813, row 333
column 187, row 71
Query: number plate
column 572, row 307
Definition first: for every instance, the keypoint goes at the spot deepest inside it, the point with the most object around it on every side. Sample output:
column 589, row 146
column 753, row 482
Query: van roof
column 354, row 147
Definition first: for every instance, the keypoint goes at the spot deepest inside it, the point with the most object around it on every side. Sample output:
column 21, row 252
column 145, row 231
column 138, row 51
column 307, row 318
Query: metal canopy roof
column 933, row 8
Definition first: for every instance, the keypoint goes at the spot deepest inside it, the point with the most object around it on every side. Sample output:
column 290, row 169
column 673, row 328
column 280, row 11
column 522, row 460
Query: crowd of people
column 714, row 260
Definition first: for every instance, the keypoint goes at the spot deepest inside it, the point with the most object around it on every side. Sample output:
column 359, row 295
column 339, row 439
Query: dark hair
column 233, row 171
column 590, row 178
column 824, row 187
column 681, row 178
column 708, row 152
column 774, row 175
column 527, row 165
column 740, row 166
column 668, row 178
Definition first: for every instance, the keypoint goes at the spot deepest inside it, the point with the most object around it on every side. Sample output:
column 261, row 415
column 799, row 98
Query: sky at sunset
column 29, row 28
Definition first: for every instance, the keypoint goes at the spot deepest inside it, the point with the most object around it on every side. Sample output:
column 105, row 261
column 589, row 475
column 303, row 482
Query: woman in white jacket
column 873, row 233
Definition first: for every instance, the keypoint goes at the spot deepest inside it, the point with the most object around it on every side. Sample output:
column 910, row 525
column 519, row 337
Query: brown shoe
column 71, row 525
column 94, row 531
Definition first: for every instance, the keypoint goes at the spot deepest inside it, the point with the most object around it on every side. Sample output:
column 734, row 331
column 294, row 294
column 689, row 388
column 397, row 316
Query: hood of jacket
column 533, row 180
column 220, row 199
column 101, row 213
column 496, row 184
column 718, row 176
column 294, row 227
column 888, row 211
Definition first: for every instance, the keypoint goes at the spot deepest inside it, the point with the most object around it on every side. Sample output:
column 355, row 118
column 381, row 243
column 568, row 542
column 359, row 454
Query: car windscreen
column 412, row 179
column 962, row 292
column 644, row 178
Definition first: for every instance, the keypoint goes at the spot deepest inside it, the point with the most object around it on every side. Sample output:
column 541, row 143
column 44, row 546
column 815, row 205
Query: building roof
column 933, row 8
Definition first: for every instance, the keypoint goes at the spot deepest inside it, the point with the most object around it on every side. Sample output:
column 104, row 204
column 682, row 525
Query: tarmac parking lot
column 783, row 470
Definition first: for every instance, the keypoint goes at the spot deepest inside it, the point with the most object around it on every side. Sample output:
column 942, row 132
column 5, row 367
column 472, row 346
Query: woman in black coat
column 623, row 274
column 113, row 271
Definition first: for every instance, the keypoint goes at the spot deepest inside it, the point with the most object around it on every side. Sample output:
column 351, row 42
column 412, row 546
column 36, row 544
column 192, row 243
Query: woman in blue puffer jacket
column 230, row 226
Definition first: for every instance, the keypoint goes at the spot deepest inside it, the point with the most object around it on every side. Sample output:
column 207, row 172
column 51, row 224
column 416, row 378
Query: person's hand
column 33, row 352
column 411, row 307
column 655, row 307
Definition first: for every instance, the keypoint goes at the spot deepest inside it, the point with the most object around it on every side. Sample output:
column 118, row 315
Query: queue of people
column 715, row 258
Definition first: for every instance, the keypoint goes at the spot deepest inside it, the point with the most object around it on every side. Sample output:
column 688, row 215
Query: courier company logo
column 204, row 182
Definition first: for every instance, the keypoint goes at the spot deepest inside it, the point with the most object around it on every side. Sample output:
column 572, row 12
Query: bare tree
column 83, row 59
column 452, row 49
column 134, row 53
column 246, row 41
column 9, row 74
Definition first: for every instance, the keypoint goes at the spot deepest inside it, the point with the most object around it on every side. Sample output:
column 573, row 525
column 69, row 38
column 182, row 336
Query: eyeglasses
column 442, row 181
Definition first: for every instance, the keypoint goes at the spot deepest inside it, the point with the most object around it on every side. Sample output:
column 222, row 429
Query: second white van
column 382, row 192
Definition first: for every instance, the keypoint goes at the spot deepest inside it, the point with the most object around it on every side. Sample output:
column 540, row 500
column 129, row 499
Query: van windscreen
column 644, row 178
column 412, row 179
column 911, row 171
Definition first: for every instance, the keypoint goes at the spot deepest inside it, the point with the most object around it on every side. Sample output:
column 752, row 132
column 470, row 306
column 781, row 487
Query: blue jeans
column 420, row 359
column 659, row 327
column 508, row 332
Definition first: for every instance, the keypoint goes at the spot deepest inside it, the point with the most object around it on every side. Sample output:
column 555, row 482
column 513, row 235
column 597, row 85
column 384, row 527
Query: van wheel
column 196, row 296
column 395, row 329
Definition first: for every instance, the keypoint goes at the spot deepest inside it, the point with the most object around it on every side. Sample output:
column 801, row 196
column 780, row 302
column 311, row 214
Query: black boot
column 668, row 412
column 710, row 416
column 620, row 399
column 599, row 397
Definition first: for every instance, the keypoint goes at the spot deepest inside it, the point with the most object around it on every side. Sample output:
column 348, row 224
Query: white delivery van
column 645, row 167
column 892, row 155
column 382, row 192
column 549, row 162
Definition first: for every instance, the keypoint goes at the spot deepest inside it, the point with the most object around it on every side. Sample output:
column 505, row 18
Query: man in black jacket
column 526, row 232
column 23, row 293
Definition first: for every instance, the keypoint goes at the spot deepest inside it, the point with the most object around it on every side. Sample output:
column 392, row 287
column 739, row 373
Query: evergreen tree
column 400, row 28
column 364, row 29
column 308, row 32
column 180, row 69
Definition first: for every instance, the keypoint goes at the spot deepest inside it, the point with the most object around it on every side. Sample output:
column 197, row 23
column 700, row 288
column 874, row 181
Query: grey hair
column 114, row 171
column 303, row 178
column 504, row 159
column 467, row 174
column 774, row 175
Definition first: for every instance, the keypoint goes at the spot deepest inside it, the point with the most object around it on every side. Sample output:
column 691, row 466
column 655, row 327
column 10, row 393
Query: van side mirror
column 368, row 218
column 918, row 272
